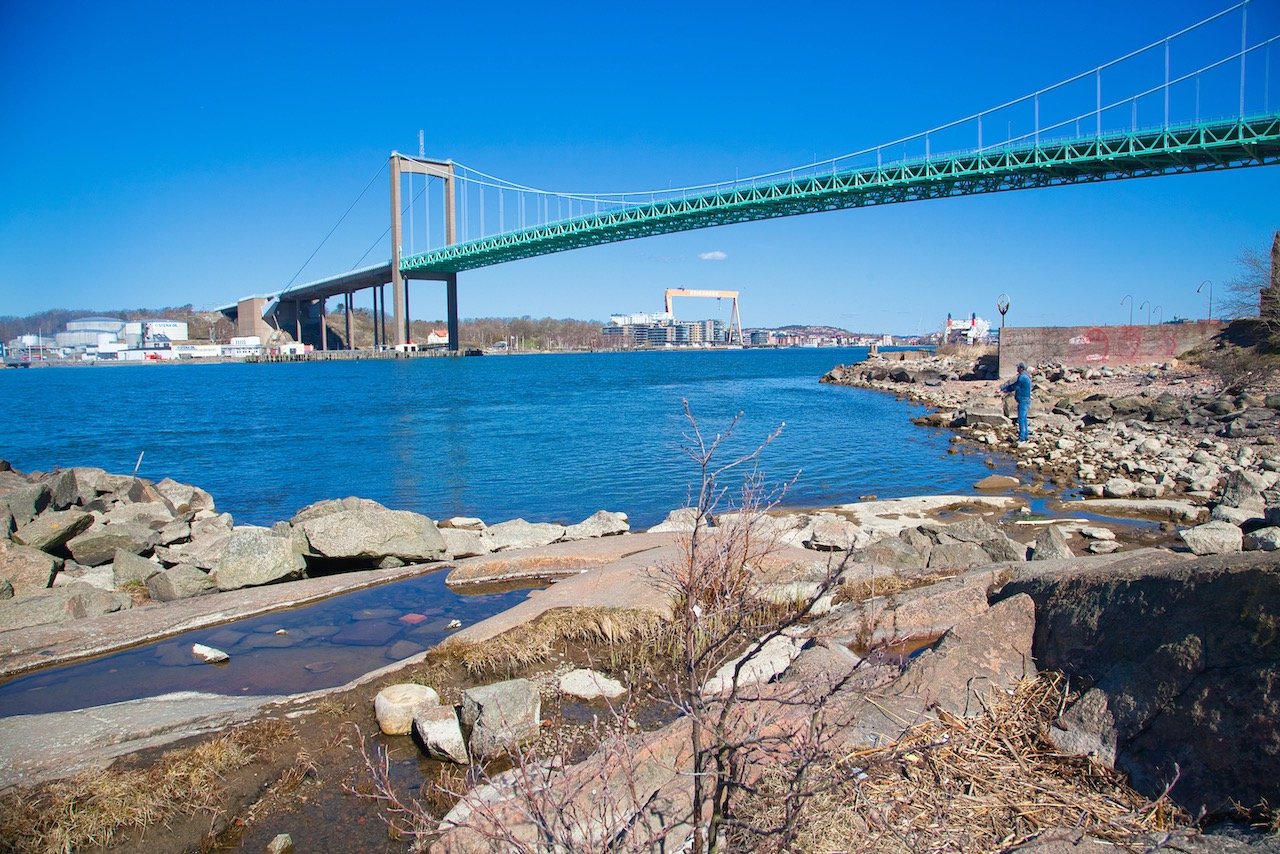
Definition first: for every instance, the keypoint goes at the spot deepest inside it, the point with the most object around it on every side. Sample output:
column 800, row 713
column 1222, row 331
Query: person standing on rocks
column 1020, row 387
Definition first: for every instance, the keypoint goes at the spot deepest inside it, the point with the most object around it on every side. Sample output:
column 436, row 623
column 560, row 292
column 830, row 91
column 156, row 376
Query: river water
column 544, row 438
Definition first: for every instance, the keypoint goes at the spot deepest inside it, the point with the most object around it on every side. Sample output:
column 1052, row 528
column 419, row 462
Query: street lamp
column 1002, row 306
column 1146, row 303
column 1210, row 284
column 1161, row 310
column 1128, row 297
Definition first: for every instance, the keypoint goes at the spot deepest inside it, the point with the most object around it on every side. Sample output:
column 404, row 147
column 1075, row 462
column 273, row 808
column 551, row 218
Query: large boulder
column 1213, row 538
column 98, row 544
column 897, row 553
column 65, row 491
column 679, row 521
column 602, row 523
column 501, row 715
column 178, row 582
column 1181, row 669
column 461, row 542
column 52, row 530
column 978, row 415
column 27, row 501
column 957, row 555
column 255, row 556
column 28, row 570
column 440, row 732
column 373, row 533
column 1263, row 539
column 127, row 567
column 184, row 497
column 831, row 533
column 519, row 534
column 395, row 706
column 59, row 605
column 1051, row 544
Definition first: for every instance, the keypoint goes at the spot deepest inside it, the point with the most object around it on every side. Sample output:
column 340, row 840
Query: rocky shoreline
column 1168, row 652
column 1155, row 441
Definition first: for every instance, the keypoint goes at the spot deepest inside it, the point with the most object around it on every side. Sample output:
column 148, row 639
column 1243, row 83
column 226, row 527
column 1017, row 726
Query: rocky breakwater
column 1151, row 442
column 82, row 542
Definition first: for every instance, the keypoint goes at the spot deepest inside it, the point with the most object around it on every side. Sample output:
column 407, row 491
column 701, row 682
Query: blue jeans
column 1023, row 406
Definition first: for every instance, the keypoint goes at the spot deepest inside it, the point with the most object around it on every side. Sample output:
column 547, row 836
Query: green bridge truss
column 1253, row 141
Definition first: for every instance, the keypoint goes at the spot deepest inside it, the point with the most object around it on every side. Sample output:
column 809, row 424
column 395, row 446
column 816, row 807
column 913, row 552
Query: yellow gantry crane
column 735, row 321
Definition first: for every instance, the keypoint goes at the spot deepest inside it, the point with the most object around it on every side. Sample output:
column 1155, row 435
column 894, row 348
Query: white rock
column 441, row 734
column 677, row 522
column 1119, row 487
column 454, row 624
column 1095, row 532
column 766, row 663
column 396, row 705
column 208, row 654
column 1263, row 540
column 1212, row 538
column 590, row 685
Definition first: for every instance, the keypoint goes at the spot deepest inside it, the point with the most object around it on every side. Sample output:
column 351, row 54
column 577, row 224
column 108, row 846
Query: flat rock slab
column 1142, row 508
column 35, row 748
column 559, row 560
column 39, row 646
column 894, row 514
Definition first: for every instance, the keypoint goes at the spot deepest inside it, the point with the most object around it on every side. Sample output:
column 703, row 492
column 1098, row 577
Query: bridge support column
column 324, row 329
column 443, row 170
column 451, row 306
column 297, row 320
column 376, row 342
column 346, row 304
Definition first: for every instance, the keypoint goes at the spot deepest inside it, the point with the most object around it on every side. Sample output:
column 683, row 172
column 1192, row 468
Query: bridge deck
column 1253, row 141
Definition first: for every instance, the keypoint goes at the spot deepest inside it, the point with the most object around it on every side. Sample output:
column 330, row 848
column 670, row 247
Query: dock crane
column 735, row 320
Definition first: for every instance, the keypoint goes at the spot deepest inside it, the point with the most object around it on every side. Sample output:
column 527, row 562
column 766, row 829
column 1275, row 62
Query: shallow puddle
column 320, row 645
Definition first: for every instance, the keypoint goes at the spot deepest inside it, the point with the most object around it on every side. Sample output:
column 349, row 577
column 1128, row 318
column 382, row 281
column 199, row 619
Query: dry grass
column 885, row 585
column 536, row 641
column 93, row 809
column 982, row 784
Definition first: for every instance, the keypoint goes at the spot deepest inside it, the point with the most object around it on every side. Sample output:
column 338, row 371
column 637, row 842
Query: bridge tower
column 442, row 169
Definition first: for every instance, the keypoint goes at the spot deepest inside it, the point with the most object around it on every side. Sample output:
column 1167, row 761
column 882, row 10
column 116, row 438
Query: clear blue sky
column 166, row 153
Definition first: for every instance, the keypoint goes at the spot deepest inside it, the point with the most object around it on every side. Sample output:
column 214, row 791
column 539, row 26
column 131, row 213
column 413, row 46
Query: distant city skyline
column 160, row 155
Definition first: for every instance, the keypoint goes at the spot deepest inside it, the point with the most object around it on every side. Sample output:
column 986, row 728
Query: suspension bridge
column 1197, row 100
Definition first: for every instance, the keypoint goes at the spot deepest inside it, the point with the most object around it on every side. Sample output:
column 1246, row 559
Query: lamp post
column 1210, row 284
column 1146, row 303
column 1002, row 306
column 1160, row 309
column 1128, row 297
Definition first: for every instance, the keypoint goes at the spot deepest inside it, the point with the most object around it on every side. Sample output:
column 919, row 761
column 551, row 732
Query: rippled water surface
column 547, row 438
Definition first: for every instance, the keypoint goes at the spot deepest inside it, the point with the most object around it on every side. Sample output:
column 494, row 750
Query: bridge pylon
column 442, row 169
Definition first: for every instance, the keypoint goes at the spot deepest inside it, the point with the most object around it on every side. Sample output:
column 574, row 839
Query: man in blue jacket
column 1020, row 386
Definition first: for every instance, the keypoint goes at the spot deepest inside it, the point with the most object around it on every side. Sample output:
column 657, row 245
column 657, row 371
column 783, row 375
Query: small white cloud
column 717, row 255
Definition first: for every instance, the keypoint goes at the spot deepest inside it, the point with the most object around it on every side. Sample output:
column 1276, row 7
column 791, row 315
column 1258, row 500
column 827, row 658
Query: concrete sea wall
column 1082, row 346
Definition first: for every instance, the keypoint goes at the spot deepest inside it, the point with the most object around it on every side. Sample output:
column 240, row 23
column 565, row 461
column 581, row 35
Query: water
column 549, row 438
column 324, row 644
column 544, row 438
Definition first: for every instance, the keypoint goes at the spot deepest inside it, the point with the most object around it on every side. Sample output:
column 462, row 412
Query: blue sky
column 166, row 153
